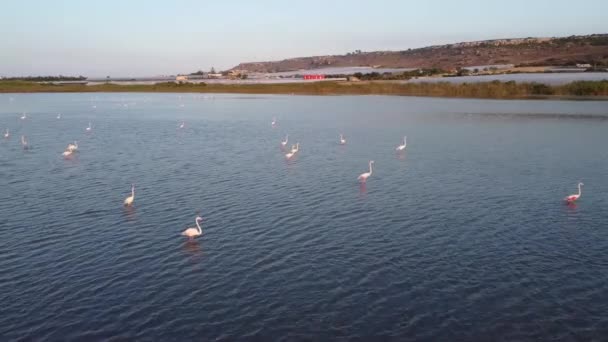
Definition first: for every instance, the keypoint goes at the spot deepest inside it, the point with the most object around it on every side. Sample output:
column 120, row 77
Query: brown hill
column 562, row 51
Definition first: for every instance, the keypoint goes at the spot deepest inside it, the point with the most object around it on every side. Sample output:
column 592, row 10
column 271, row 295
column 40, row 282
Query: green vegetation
column 492, row 90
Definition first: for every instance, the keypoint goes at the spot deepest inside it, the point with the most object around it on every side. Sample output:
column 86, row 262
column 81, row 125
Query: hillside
column 560, row 51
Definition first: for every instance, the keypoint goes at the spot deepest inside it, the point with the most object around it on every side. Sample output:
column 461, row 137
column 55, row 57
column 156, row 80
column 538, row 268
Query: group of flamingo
column 193, row 232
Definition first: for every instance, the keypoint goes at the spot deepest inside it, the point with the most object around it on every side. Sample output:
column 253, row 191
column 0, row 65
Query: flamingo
column 90, row 127
column 574, row 197
column 67, row 153
column 364, row 176
column 284, row 142
column 294, row 149
column 129, row 200
column 24, row 143
column 274, row 122
column 194, row 232
column 402, row 147
column 59, row 116
column 342, row 140
column 73, row 147
column 182, row 125
column 23, row 116
column 7, row 134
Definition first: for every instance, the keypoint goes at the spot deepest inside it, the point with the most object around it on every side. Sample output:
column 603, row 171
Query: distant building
column 583, row 65
column 214, row 75
column 314, row 77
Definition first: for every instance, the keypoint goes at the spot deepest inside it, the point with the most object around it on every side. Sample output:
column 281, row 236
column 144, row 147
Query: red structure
column 314, row 77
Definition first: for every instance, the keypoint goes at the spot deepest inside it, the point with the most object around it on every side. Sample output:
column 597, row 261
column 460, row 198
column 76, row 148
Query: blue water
column 463, row 237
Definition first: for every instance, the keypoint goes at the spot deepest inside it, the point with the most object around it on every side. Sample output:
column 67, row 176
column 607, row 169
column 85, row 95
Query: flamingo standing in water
column 24, row 143
column 274, row 122
column 294, row 149
column 89, row 128
column 182, row 125
column 7, row 134
column 574, row 197
column 59, row 116
column 23, row 116
column 194, row 231
column 402, row 147
column 342, row 140
column 73, row 147
column 67, row 153
column 129, row 200
column 364, row 176
column 284, row 142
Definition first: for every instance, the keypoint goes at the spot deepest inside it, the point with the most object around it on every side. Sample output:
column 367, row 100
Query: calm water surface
column 463, row 237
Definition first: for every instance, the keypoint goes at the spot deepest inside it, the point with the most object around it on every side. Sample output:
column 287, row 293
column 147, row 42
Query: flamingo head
column 581, row 183
column 198, row 219
column 371, row 161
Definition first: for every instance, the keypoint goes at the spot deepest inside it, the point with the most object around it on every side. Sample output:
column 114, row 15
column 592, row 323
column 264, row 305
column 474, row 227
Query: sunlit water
column 463, row 237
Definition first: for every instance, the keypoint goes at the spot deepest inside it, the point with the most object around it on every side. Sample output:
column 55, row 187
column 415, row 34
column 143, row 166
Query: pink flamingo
column 284, row 142
column 7, row 134
column 342, row 140
column 364, row 176
column 294, row 150
column 402, row 147
column 182, row 125
column 24, row 143
column 574, row 197
column 129, row 200
column 194, row 231
column 274, row 122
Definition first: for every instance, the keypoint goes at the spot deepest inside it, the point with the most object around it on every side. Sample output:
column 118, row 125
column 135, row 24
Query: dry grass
column 491, row 90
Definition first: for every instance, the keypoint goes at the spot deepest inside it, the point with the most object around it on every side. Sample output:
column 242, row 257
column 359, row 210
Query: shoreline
column 578, row 90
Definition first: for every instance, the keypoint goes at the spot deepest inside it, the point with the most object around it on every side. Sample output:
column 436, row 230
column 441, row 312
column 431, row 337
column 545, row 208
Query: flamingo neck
column 200, row 231
column 370, row 168
column 579, row 189
column 133, row 192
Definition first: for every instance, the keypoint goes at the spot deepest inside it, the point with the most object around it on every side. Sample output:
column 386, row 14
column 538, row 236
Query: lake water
column 546, row 78
column 462, row 237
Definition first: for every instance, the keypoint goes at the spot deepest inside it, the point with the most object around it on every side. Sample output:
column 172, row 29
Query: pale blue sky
column 137, row 38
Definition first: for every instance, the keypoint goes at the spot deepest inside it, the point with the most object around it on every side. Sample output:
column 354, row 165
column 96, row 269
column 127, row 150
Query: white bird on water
column 342, row 140
column 89, row 128
column 194, row 231
column 73, row 147
column 7, row 134
column 294, row 149
column 23, row 116
column 59, row 116
column 67, row 153
column 182, row 125
column 129, row 200
column 284, row 142
column 575, row 197
column 274, row 122
column 364, row 176
column 24, row 143
column 402, row 147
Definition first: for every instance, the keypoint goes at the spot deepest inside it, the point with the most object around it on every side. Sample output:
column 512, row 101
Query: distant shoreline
column 579, row 90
